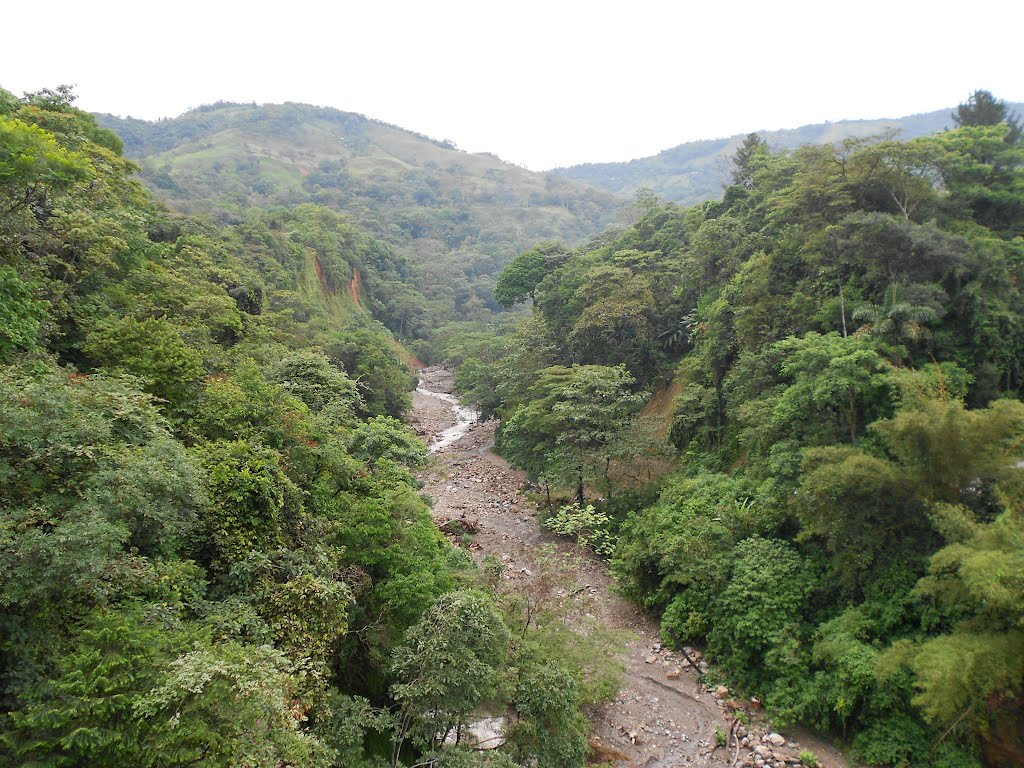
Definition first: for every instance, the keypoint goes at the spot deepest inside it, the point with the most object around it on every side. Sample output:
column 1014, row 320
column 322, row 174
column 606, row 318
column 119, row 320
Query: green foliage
column 210, row 553
column 88, row 466
column 695, row 172
column 561, row 435
column 520, row 278
column 153, row 350
column 832, row 532
column 135, row 690
column 312, row 378
column 449, row 664
column 345, row 723
column 89, row 712
column 32, row 163
column 229, row 705
column 551, row 728
column 383, row 437
column 758, row 613
column 21, row 314
column 251, row 500
column 457, row 218
column 382, row 380
column 229, row 568
column 589, row 526
column 982, row 108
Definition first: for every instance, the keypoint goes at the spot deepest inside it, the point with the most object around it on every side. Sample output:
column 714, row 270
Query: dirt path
column 662, row 717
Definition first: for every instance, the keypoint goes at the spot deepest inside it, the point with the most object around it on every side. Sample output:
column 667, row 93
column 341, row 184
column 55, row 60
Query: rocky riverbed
column 663, row 715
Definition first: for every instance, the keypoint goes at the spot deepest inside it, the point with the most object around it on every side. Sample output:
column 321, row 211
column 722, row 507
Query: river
column 465, row 418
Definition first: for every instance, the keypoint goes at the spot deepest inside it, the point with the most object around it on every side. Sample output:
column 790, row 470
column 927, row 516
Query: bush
column 588, row 525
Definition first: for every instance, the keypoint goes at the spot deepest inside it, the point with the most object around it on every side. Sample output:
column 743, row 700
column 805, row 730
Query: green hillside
column 698, row 170
column 843, row 337
column 215, row 551
column 460, row 217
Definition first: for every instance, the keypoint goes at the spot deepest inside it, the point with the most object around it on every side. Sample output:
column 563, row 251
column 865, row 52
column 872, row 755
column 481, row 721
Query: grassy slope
column 696, row 171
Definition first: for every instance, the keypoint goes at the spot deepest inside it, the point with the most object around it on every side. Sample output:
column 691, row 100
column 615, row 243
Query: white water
column 464, row 419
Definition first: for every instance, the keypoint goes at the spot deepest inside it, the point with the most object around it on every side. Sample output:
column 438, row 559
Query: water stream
column 464, row 419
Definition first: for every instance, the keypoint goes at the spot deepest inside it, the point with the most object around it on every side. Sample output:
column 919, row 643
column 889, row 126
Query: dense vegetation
column 214, row 549
column 843, row 336
column 791, row 419
column 459, row 218
column 697, row 171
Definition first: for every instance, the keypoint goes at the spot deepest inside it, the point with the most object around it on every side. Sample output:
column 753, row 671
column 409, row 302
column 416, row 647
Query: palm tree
column 895, row 320
column 676, row 337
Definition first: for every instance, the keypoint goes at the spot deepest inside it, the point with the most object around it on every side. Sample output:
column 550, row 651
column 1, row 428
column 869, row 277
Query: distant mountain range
column 696, row 171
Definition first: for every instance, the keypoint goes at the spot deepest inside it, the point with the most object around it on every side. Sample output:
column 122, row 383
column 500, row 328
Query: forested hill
column 841, row 521
column 699, row 170
column 459, row 217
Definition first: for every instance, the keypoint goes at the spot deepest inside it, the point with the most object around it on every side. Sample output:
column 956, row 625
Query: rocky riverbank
column 663, row 715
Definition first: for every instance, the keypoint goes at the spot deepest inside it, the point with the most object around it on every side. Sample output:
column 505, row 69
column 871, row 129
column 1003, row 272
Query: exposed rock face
column 486, row 733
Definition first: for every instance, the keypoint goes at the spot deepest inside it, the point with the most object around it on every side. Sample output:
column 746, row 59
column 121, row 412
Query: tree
column 383, row 437
column 895, row 320
column 614, row 327
column 831, row 388
column 744, row 159
column 450, row 663
column 519, row 280
column 982, row 172
column 152, row 349
column 21, row 314
column 252, row 499
column 982, row 108
column 33, row 166
column 317, row 382
column 575, row 414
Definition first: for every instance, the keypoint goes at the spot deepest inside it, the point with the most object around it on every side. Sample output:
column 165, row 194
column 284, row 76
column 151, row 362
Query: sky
column 540, row 84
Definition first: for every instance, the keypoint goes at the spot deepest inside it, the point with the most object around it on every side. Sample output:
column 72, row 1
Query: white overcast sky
column 541, row 84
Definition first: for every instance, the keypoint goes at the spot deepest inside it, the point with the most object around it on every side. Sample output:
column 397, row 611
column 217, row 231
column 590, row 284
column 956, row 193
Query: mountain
column 697, row 170
column 459, row 217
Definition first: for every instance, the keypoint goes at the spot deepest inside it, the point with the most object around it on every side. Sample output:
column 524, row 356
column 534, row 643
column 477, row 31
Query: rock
column 488, row 733
column 721, row 692
column 673, row 674
column 776, row 739
column 651, row 659
column 762, row 750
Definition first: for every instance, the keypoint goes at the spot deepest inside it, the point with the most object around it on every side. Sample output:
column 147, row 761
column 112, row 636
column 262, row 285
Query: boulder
column 487, row 733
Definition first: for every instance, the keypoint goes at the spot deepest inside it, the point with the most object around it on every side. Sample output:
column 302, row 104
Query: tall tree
column 743, row 166
column 576, row 415
column 982, row 108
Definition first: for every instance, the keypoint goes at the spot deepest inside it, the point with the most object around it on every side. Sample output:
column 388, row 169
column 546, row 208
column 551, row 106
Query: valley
column 661, row 716
column 672, row 472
